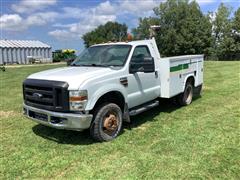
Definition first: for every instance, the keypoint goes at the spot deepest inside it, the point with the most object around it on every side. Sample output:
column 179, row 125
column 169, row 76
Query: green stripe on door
column 179, row 67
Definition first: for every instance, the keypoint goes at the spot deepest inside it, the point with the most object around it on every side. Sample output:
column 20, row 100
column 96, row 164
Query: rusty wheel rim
column 110, row 123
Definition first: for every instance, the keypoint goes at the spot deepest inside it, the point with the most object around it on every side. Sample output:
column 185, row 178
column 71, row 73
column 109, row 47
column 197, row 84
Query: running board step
column 143, row 108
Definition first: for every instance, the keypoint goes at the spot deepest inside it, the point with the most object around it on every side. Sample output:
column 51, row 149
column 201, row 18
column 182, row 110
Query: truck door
column 142, row 86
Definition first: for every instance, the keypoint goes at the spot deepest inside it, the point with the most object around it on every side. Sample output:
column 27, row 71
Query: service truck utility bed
column 175, row 70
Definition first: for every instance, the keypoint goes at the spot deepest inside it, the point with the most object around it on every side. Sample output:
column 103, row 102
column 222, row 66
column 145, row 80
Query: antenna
column 153, row 29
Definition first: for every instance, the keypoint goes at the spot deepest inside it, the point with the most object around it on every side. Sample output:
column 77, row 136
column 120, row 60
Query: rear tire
column 186, row 97
column 107, row 122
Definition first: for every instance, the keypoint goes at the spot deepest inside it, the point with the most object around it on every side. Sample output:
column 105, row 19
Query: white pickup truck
column 108, row 83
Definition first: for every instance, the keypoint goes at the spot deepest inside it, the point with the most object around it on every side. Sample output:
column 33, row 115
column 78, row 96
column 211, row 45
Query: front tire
column 107, row 122
column 186, row 97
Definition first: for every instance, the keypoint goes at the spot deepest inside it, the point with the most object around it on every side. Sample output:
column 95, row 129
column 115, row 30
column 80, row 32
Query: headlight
column 78, row 100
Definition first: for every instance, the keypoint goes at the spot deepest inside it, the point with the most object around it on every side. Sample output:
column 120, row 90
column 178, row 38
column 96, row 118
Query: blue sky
column 61, row 23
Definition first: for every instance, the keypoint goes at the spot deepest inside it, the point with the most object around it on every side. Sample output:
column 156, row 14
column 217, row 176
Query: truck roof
column 153, row 42
column 133, row 43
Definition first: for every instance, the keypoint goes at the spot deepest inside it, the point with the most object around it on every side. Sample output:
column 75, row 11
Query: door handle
column 124, row 81
column 156, row 74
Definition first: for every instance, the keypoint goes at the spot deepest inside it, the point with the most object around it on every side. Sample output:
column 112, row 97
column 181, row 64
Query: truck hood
column 74, row 76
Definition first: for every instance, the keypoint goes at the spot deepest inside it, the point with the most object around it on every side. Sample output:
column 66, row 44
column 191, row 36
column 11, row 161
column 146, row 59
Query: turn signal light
column 77, row 98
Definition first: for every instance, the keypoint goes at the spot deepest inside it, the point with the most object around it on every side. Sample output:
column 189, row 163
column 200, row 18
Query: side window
column 141, row 60
column 140, row 52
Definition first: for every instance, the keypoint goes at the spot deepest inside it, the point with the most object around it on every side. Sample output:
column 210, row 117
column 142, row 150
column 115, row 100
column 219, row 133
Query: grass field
column 200, row 141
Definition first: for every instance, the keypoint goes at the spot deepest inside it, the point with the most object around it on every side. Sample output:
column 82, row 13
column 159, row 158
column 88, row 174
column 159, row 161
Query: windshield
column 106, row 55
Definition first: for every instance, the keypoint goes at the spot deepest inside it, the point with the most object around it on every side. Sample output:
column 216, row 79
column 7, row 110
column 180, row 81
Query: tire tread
column 97, row 115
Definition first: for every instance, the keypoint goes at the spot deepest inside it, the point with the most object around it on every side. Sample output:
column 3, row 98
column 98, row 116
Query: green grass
column 200, row 141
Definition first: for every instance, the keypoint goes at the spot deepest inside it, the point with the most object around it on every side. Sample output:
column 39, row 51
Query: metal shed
column 20, row 51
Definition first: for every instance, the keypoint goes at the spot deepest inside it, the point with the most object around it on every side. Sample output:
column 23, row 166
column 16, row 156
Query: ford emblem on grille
column 37, row 95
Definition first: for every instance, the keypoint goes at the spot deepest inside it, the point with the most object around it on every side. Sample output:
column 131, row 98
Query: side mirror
column 146, row 65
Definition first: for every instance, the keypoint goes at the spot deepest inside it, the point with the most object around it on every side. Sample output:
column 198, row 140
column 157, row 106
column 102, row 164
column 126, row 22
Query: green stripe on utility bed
column 179, row 67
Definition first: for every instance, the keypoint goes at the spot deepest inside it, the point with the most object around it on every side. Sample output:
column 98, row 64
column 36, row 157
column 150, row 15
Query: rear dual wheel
column 186, row 97
column 107, row 122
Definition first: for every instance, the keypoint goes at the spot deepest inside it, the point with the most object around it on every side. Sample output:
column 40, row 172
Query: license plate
column 39, row 116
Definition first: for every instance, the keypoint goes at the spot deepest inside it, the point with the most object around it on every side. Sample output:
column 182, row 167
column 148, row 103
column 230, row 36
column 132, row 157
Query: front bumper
column 71, row 121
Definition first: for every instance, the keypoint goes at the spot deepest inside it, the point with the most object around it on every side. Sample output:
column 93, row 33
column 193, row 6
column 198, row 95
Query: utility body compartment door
column 176, row 70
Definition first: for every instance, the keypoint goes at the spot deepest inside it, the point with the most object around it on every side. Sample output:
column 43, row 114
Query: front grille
column 44, row 94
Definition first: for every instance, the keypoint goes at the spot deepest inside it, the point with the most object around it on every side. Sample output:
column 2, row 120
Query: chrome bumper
column 58, row 120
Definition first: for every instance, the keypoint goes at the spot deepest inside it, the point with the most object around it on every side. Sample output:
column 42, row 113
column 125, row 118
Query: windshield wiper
column 99, row 65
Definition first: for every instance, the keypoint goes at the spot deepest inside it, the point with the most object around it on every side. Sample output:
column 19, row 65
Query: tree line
column 184, row 29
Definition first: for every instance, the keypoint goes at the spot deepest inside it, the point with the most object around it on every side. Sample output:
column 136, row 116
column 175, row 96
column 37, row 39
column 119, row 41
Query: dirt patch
column 7, row 114
column 143, row 127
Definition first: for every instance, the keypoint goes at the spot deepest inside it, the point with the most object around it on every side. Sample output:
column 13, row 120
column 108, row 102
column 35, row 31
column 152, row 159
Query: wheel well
column 112, row 97
column 191, row 80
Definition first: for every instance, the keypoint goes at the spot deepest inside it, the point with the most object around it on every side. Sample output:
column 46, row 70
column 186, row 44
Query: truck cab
column 108, row 83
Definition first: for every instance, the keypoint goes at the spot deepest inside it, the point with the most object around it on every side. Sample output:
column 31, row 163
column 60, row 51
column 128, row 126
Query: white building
column 20, row 51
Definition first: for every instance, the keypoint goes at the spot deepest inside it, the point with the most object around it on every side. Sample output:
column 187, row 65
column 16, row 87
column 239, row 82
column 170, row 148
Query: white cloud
column 89, row 19
column 134, row 7
column 62, row 34
column 73, row 12
column 60, row 25
column 203, row 2
column 106, row 8
column 11, row 22
column 139, row 7
column 14, row 22
column 90, row 23
column 28, row 6
column 78, row 29
column 39, row 19
column 86, row 19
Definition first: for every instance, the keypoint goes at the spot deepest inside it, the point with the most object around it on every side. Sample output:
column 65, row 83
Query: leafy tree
column 222, row 30
column 221, row 22
column 111, row 31
column 236, row 21
column 236, row 33
column 142, row 31
column 184, row 28
column 226, row 33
